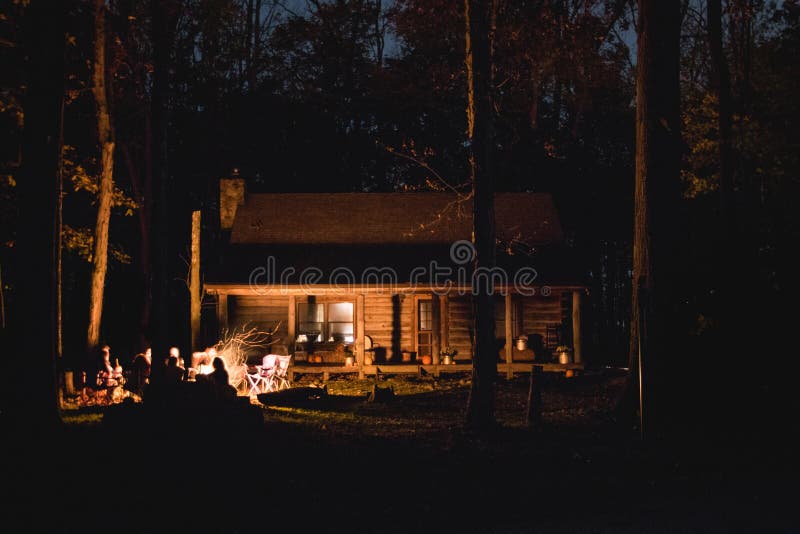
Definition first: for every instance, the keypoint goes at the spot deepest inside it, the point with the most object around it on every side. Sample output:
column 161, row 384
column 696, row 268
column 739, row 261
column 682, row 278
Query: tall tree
column 162, row 17
column 721, row 88
column 105, row 134
column 479, row 16
column 33, row 318
column 657, row 181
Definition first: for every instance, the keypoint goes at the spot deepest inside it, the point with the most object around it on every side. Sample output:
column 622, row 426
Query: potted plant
column 564, row 354
column 448, row 355
column 349, row 358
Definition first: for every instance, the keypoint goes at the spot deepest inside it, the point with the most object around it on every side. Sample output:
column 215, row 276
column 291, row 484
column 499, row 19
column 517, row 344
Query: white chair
column 282, row 373
column 255, row 382
column 267, row 371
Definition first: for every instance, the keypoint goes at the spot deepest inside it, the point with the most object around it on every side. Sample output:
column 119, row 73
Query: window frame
column 326, row 323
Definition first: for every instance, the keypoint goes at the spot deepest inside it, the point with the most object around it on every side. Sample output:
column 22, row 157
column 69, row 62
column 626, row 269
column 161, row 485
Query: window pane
column 307, row 312
column 341, row 328
column 340, row 311
column 425, row 315
column 341, row 332
column 306, row 327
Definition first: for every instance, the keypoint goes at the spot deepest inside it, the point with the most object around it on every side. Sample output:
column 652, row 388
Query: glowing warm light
column 348, row 339
column 302, row 338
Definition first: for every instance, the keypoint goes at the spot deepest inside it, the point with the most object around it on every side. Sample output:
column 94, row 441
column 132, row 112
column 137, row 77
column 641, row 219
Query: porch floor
column 410, row 368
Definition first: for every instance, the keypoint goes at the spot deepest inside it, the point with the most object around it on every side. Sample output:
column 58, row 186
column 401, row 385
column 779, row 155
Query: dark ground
column 405, row 466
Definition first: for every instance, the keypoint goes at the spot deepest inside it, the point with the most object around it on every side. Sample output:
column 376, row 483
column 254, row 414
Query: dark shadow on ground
column 241, row 468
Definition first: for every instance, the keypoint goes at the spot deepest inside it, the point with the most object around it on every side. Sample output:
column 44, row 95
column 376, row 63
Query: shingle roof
column 388, row 219
column 554, row 265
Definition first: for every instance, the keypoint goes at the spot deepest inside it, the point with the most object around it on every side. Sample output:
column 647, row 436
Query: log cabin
column 381, row 282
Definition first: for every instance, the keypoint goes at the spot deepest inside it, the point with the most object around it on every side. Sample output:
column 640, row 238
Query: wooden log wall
column 389, row 319
column 460, row 323
column 262, row 312
column 539, row 311
column 379, row 314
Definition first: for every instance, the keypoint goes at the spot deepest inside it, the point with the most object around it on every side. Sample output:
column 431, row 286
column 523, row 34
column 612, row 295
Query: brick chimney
column 231, row 196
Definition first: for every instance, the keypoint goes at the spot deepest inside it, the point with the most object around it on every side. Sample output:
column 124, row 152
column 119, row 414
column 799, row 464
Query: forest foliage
column 369, row 95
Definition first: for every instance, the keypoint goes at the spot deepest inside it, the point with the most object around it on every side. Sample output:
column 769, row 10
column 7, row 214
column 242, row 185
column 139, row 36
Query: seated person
column 141, row 369
column 218, row 379
column 173, row 374
column 175, row 351
column 205, row 365
column 108, row 375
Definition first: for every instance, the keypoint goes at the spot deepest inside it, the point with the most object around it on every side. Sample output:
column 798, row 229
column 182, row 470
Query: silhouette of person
column 175, row 351
column 173, row 373
column 205, row 366
column 218, row 379
column 107, row 374
column 141, row 369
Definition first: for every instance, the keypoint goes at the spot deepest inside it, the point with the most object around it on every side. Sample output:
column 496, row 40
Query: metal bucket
column 522, row 344
column 564, row 357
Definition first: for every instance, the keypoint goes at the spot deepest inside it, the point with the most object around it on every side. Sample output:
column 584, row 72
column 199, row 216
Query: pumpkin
column 318, row 358
column 426, row 360
column 569, row 373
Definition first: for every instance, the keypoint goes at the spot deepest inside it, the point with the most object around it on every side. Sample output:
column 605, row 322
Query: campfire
column 234, row 347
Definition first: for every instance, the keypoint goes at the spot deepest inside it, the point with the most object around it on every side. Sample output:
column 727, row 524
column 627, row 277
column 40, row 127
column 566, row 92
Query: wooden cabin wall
column 379, row 322
column 262, row 312
column 460, row 325
column 539, row 311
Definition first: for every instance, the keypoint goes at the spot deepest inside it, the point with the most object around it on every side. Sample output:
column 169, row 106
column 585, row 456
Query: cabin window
column 340, row 322
column 425, row 315
column 310, row 321
column 325, row 322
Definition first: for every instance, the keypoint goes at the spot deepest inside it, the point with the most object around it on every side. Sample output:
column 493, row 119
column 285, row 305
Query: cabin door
column 424, row 328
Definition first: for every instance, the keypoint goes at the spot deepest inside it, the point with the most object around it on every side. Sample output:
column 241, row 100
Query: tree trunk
column 59, row 289
column 480, row 408
column 159, row 228
column 253, row 69
column 657, row 179
column 721, row 86
column 106, row 189
column 248, row 41
column 141, row 189
column 533, row 409
column 32, row 317
column 468, row 66
column 194, row 282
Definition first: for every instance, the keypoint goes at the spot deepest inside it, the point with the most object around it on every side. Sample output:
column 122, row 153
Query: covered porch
column 406, row 329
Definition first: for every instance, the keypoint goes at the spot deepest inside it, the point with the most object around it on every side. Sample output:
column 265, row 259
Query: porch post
column 444, row 308
column 436, row 327
column 509, row 335
column 290, row 327
column 360, row 338
column 222, row 311
column 576, row 325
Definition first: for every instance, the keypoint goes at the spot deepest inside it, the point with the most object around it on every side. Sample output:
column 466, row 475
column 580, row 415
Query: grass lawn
column 407, row 465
